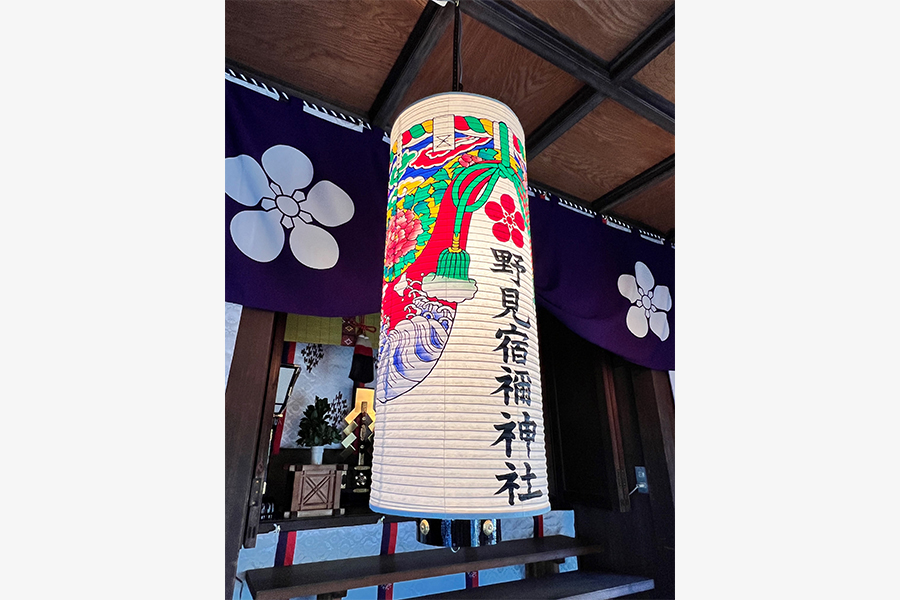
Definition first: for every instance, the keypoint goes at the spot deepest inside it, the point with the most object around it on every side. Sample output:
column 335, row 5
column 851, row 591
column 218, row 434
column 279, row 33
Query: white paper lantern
column 458, row 387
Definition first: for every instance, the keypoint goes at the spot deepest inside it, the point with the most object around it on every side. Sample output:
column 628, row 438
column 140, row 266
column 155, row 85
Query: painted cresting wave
column 410, row 351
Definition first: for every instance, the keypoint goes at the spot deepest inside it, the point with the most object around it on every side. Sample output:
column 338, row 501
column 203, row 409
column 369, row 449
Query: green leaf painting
column 488, row 154
column 475, row 125
column 398, row 168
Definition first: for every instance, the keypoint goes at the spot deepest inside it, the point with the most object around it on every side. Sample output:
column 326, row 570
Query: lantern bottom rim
column 422, row 514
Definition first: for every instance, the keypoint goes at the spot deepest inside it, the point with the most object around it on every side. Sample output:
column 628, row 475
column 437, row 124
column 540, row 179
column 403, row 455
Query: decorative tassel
column 453, row 263
column 362, row 369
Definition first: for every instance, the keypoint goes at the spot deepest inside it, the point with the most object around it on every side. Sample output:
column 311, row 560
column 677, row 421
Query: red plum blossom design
column 510, row 223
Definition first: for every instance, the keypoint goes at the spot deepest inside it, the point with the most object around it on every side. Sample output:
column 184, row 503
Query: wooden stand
column 317, row 490
column 334, row 577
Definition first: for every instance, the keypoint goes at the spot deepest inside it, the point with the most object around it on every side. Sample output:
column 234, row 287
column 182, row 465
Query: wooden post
column 615, row 434
column 656, row 422
column 656, row 411
column 250, row 383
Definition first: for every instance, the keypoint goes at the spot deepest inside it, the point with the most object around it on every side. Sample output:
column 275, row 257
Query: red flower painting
column 510, row 223
column 467, row 160
column 403, row 229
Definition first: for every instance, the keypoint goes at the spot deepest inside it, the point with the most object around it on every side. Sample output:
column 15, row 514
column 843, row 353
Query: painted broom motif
column 436, row 185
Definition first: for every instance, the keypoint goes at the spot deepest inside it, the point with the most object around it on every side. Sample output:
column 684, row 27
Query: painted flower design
column 650, row 303
column 403, row 229
column 467, row 160
column 510, row 223
column 276, row 187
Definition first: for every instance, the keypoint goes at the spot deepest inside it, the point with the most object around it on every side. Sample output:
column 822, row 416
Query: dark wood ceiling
column 592, row 81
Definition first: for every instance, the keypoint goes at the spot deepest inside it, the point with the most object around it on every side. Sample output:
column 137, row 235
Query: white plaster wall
column 328, row 377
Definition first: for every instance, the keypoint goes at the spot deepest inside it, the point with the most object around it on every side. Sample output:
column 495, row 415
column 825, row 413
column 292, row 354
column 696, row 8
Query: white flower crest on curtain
column 650, row 303
column 276, row 187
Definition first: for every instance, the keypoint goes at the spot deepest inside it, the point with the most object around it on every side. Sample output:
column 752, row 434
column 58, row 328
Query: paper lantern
column 458, row 388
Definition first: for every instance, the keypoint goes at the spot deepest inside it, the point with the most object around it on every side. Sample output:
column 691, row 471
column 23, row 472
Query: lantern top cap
column 457, row 97
column 459, row 94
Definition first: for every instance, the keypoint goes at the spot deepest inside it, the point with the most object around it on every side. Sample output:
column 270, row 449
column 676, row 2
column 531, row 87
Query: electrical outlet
column 640, row 474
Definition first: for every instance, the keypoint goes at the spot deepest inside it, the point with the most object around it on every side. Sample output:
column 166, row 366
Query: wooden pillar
column 656, row 411
column 249, row 404
column 615, row 432
column 656, row 422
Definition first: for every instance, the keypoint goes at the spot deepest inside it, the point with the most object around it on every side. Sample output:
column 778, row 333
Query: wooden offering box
column 317, row 490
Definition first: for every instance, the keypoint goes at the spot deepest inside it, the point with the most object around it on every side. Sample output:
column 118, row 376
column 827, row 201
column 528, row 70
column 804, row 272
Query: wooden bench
column 574, row 585
column 332, row 579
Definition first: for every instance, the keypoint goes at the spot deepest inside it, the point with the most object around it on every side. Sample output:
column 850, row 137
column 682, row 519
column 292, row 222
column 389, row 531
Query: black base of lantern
column 458, row 533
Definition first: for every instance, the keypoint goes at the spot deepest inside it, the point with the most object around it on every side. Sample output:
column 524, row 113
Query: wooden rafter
column 645, row 47
column 576, row 108
column 634, row 186
column 525, row 29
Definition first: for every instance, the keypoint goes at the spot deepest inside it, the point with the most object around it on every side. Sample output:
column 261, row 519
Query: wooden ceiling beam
column 644, row 48
column 634, row 186
column 525, row 29
column 576, row 108
column 424, row 37
column 646, row 103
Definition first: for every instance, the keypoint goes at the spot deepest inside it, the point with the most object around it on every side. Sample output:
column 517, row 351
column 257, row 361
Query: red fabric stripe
column 388, row 546
column 471, row 579
column 540, row 526
column 289, row 549
column 392, row 545
column 364, row 350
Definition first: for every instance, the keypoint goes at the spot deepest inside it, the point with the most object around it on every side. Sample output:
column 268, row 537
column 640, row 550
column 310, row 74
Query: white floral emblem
column 649, row 303
column 276, row 188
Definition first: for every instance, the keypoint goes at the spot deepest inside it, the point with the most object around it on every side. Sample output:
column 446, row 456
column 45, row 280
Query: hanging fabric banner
column 305, row 212
column 612, row 284
column 305, row 207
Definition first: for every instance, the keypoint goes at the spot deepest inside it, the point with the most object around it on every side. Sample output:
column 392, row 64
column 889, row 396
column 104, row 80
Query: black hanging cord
column 457, row 40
